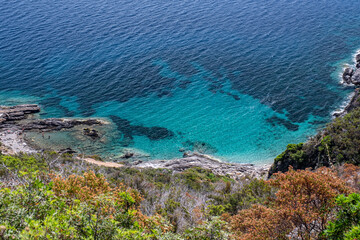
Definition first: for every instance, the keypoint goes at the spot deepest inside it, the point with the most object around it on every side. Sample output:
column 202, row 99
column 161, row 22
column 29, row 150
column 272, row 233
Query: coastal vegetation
column 55, row 196
column 337, row 144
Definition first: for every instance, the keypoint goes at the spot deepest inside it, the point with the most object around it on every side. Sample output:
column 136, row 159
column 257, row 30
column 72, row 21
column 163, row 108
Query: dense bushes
column 338, row 143
column 79, row 207
column 55, row 197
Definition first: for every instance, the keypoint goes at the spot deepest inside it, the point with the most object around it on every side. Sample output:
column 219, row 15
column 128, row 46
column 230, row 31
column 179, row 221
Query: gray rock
column 357, row 58
column 18, row 112
column 10, row 116
column 347, row 75
column 353, row 104
column 355, row 78
column 234, row 170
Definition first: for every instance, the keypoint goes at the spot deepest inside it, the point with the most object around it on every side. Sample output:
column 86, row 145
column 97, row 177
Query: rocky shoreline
column 15, row 121
column 351, row 77
column 236, row 171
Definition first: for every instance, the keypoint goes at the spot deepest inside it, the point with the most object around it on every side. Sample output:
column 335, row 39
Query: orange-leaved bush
column 95, row 190
column 303, row 205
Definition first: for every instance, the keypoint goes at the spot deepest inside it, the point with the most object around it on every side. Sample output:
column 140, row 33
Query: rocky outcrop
column 348, row 72
column 10, row 116
column 355, row 78
column 354, row 103
column 18, row 112
column 189, row 160
column 14, row 121
column 351, row 76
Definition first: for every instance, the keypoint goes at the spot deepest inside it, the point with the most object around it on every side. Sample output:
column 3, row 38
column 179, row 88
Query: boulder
column 355, row 78
column 347, row 75
column 357, row 58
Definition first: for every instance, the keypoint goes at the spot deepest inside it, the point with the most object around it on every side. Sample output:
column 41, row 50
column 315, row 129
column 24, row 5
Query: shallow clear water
column 236, row 79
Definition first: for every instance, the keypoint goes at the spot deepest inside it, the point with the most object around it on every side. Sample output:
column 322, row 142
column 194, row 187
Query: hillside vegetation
column 51, row 196
column 338, row 143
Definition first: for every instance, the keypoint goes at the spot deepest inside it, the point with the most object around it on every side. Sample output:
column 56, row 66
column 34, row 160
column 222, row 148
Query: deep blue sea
column 235, row 79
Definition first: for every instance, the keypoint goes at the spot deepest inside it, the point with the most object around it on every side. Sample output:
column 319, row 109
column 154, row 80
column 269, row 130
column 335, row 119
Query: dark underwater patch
column 55, row 102
column 286, row 123
column 199, row 146
column 128, row 130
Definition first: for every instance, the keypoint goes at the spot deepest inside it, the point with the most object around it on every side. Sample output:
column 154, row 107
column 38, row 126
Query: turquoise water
column 235, row 79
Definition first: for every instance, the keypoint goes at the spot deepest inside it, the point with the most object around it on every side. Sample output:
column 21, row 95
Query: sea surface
column 235, row 79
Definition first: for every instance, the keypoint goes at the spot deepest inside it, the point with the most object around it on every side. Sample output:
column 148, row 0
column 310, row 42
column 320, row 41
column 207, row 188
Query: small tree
column 303, row 205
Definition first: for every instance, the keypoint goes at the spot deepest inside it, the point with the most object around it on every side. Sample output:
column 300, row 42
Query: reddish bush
column 303, row 205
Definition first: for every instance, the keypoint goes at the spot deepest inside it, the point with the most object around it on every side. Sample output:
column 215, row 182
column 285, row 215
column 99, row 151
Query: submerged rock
column 10, row 118
column 199, row 146
column 91, row 133
column 58, row 123
column 274, row 120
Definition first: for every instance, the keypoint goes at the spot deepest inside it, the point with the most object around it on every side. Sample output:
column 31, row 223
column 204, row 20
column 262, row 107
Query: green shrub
column 347, row 223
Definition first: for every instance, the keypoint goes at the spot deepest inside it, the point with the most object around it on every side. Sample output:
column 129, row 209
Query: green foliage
column 294, row 152
column 347, row 223
column 197, row 177
column 215, row 229
column 344, row 138
column 353, row 233
column 34, row 211
column 338, row 143
column 216, row 210
column 254, row 192
column 26, row 163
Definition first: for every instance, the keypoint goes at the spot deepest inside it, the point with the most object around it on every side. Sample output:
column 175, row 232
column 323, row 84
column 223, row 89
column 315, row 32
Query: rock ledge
column 234, row 170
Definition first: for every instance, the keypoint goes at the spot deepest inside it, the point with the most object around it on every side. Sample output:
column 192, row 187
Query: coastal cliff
column 338, row 143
